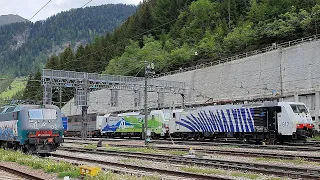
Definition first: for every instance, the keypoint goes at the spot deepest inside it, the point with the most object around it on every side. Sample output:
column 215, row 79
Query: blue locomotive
column 31, row 128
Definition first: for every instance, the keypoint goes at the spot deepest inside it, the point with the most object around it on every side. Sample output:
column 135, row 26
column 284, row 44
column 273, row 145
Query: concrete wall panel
column 296, row 67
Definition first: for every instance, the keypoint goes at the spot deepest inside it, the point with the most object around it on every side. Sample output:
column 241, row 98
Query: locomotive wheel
column 185, row 137
column 196, row 137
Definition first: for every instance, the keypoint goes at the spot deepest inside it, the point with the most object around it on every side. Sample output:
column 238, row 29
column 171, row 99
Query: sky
column 27, row 8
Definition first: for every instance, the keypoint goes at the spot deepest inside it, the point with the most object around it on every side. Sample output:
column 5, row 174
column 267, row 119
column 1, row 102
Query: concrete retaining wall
column 292, row 71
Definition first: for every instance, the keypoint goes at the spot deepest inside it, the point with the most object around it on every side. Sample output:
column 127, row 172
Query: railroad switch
column 89, row 170
column 99, row 143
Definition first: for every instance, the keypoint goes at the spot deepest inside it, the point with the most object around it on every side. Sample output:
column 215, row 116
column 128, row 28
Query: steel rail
column 310, row 173
column 20, row 173
column 233, row 152
column 306, row 146
column 143, row 168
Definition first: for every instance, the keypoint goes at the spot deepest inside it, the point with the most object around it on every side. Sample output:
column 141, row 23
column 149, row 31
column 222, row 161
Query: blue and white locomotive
column 269, row 122
column 31, row 128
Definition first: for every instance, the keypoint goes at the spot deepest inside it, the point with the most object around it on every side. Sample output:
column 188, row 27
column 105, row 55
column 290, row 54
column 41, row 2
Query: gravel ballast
column 225, row 173
column 35, row 172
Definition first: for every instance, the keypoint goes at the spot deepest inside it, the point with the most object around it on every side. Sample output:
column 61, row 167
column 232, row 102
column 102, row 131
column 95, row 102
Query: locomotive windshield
column 43, row 114
column 298, row 108
column 43, row 118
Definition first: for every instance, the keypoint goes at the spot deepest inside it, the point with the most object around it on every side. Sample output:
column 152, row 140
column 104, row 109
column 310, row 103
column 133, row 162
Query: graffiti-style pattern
column 8, row 130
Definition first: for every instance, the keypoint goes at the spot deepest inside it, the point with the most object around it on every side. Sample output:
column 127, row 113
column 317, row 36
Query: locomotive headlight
column 32, row 133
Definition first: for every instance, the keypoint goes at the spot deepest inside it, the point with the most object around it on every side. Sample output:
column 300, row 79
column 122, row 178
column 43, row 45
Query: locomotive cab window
column 298, row 108
column 35, row 114
column 10, row 109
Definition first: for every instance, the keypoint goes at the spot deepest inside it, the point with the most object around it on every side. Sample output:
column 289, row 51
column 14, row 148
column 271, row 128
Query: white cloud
column 27, row 8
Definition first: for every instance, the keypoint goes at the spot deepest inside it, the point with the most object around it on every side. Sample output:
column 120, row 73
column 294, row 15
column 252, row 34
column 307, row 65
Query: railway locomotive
column 270, row 122
column 132, row 124
column 31, row 128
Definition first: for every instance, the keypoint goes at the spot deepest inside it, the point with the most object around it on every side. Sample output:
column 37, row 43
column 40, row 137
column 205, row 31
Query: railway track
column 233, row 152
column 305, row 146
column 294, row 172
column 142, row 169
column 289, row 147
column 19, row 173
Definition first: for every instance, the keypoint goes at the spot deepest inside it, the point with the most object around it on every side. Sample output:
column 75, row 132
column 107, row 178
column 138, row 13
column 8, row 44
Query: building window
column 114, row 98
column 137, row 98
column 160, row 99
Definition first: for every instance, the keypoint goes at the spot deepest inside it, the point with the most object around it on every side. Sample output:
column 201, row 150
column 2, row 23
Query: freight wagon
column 94, row 125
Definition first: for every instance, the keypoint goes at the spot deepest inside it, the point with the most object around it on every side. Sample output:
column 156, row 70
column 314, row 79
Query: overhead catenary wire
column 294, row 80
column 52, row 28
column 126, row 39
column 40, row 10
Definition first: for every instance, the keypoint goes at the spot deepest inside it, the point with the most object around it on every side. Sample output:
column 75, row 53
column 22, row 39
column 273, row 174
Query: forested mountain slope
column 11, row 18
column 169, row 32
column 25, row 47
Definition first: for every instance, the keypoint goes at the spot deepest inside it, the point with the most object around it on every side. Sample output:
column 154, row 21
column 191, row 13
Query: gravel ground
column 141, row 143
column 8, row 176
column 162, row 165
column 38, row 173
column 280, row 162
column 120, row 170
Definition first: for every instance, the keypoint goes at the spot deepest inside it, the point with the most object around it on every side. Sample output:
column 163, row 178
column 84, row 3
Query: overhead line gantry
column 84, row 82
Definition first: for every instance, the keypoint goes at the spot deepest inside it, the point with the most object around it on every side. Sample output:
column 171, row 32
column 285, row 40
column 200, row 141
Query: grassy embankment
column 10, row 89
column 61, row 169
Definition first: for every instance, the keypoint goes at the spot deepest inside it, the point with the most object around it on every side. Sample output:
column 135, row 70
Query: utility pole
column 149, row 69
column 60, row 97
column 315, row 23
column 229, row 12
column 84, row 122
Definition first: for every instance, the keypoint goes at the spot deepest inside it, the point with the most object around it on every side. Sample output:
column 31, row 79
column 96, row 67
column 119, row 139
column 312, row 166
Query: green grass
column 47, row 165
column 5, row 83
column 316, row 138
column 16, row 86
column 294, row 161
column 202, row 170
column 219, row 172
column 62, row 169
column 71, row 174
column 276, row 178
column 246, row 175
column 90, row 146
